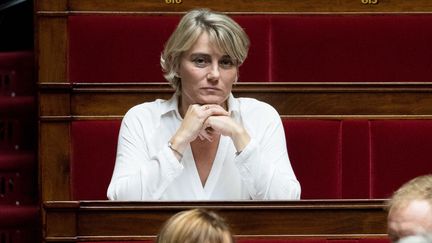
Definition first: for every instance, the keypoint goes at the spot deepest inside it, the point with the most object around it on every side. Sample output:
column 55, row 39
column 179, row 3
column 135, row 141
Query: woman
column 195, row 226
column 203, row 144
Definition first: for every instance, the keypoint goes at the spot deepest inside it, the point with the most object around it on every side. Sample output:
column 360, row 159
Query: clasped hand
column 207, row 121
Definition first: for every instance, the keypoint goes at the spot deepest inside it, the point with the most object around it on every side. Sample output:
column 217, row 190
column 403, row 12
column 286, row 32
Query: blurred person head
column 422, row 238
column 195, row 226
column 410, row 209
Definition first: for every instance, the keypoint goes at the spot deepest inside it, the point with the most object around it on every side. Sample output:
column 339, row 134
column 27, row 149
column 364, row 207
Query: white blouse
column 147, row 169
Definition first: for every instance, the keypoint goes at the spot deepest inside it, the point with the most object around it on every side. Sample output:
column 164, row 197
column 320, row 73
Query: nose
column 214, row 73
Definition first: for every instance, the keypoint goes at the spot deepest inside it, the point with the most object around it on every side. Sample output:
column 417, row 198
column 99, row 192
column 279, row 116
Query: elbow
column 124, row 191
column 110, row 193
column 291, row 191
column 296, row 194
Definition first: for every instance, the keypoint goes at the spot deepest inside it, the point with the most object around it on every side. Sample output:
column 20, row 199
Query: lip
column 210, row 89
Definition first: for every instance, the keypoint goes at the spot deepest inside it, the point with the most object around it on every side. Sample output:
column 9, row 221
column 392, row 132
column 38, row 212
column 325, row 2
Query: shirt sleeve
column 137, row 174
column 264, row 163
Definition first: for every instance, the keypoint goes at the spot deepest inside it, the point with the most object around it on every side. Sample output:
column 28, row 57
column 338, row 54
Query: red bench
column 284, row 48
column 333, row 159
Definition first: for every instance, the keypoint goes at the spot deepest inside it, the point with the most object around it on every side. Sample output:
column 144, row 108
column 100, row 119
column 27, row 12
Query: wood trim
column 292, row 100
column 243, row 6
column 290, row 117
column 266, row 86
column 52, row 49
column 54, row 161
column 114, row 220
column 55, row 104
column 51, row 5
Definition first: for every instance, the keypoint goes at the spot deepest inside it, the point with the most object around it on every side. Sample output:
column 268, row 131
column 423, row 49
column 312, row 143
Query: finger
column 209, row 130
column 215, row 110
column 207, row 124
column 206, row 135
column 211, row 106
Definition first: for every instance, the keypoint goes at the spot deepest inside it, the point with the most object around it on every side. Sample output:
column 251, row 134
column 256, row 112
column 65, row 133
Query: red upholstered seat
column 285, row 48
column 16, row 73
column 351, row 48
column 17, row 106
column 94, row 145
column 374, row 240
column 19, row 224
column 357, row 158
column 400, row 150
column 17, row 102
column 332, row 158
column 117, row 48
column 18, row 216
column 257, row 67
column 17, row 134
column 17, row 178
column 355, row 178
column 314, row 150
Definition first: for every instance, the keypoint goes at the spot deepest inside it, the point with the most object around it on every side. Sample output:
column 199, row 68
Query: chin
column 212, row 99
column 218, row 101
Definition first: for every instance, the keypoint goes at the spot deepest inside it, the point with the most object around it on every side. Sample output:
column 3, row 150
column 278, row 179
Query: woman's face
column 206, row 73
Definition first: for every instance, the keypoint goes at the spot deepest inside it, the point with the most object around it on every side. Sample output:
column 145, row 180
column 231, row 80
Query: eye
column 200, row 61
column 226, row 62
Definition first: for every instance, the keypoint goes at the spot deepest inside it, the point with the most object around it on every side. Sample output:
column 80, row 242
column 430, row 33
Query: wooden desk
column 77, row 221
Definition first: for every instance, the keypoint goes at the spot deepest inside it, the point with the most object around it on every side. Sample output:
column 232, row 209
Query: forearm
column 240, row 138
column 179, row 142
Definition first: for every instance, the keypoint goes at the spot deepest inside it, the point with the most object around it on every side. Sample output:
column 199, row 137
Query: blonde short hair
column 223, row 31
column 195, row 226
column 419, row 188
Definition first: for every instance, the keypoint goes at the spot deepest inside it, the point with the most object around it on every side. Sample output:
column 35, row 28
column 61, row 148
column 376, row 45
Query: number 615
column 369, row 1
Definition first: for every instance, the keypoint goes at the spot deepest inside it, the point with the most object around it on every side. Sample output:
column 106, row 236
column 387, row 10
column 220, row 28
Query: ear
column 177, row 71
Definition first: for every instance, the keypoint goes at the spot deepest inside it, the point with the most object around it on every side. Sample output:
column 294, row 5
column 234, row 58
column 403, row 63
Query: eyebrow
column 199, row 54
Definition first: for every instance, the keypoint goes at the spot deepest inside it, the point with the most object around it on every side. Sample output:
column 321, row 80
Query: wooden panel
column 51, row 5
column 61, row 224
column 108, row 220
column 92, row 101
column 301, row 100
column 54, row 158
column 254, row 5
column 54, row 104
column 52, row 49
